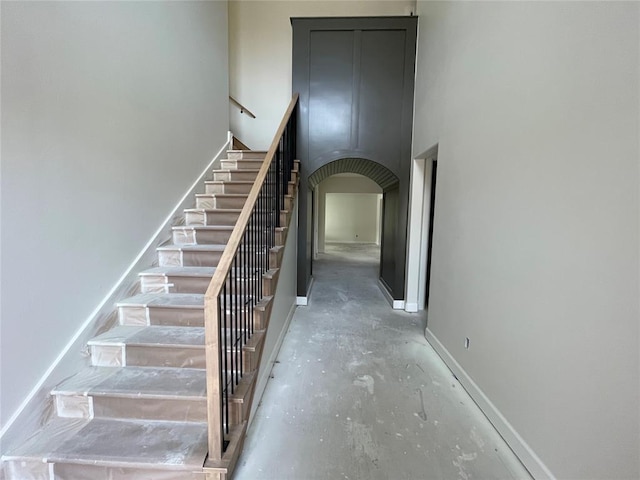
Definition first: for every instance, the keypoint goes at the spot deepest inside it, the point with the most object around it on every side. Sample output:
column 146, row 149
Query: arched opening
column 354, row 211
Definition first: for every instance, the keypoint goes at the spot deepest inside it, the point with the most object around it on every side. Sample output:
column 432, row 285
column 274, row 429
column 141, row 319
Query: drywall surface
column 260, row 55
column 109, row 112
column 284, row 306
column 343, row 183
column 535, row 257
column 352, row 217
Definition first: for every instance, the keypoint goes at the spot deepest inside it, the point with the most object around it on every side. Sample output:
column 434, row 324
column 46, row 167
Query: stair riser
column 212, row 203
column 144, row 316
column 163, row 284
column 269, row 284
column 241, row 164
column 163, row 409
column 262, row 314
column 238, row 407
column 228, row 188
column 37, row 469
column 246, row 154
column 161, row 356
column 147, row 356
column 194, row 236
column 176, row 317
column 188, row 258
column 211, row 218
column 275, row 257
column 234, row 175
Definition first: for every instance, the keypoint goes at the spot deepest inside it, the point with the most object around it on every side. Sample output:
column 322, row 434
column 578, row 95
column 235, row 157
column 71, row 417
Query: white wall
column 110, row 111
column 351, row 183
column 260, row 55
column 351, row 217
column 535, row 109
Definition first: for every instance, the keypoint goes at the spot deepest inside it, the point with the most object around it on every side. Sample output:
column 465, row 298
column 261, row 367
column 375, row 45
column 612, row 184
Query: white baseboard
column 304, row 301
column 523, row 451
column 411, row 307
column 395, row 304
column 33, row 409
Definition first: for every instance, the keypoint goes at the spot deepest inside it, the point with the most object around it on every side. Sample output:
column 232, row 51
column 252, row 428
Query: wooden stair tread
column 118, row 443
column 164, row 300
column 136, row 382
column 180, row 271
column 151, row 336
column 199, row 247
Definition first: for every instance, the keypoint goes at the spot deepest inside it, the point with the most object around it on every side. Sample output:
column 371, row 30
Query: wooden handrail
column 242, row 108
column 236, row 236
column 212, row 326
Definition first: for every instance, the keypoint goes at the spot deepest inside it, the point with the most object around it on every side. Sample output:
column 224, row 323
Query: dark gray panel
column 389, row 238
column 355, row 77
column 330, row 92
column 381, row 86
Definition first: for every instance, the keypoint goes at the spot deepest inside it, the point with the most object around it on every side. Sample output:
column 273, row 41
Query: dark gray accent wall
column 355, row 77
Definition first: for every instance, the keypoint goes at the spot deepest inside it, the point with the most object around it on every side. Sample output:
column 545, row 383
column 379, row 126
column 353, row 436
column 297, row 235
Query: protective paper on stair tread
column 167, row 394
column 109, row 449
column 38, row 470
column 136, row 381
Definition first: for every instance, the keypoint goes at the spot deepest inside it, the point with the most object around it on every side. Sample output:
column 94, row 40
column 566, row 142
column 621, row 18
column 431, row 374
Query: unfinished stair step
column 176, row 279
column 212, row 201
column 220, row 216
column 209, row 234
column 111, row 448
column 153, row 346
column 173, row 309
column 246, row 154
column 201, row 234
column 241, row 164
column 217, row 186
column 177, row 309
column 206, row 255
column 167, row 394
column 243, row 175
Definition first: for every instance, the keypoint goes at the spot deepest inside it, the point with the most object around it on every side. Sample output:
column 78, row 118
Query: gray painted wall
column 535, row 256
column 355, row 77
column 110, row 111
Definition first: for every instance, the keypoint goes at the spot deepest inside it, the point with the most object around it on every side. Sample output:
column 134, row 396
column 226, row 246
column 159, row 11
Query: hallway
column 358, row 393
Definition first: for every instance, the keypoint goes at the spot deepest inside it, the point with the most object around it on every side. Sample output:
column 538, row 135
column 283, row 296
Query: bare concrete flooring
column 358, row 393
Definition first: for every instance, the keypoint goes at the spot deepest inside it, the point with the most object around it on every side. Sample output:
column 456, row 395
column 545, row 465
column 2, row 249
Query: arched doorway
column 345, row 173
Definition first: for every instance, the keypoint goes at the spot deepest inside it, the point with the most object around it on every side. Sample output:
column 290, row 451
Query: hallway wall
column 535, row 107
column 343, row 184
column 352, row 218
column 260, row 55
column 110, row 110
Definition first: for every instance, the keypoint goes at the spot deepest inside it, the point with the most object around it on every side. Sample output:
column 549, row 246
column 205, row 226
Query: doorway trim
column 418, row 229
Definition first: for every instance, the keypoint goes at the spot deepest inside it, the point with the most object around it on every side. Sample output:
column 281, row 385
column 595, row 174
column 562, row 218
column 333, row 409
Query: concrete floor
column 358, row 393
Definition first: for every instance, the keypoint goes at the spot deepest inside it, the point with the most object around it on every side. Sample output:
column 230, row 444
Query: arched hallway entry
column 367, row 190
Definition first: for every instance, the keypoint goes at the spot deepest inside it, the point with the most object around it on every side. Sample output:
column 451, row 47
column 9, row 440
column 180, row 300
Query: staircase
column 140, row 410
